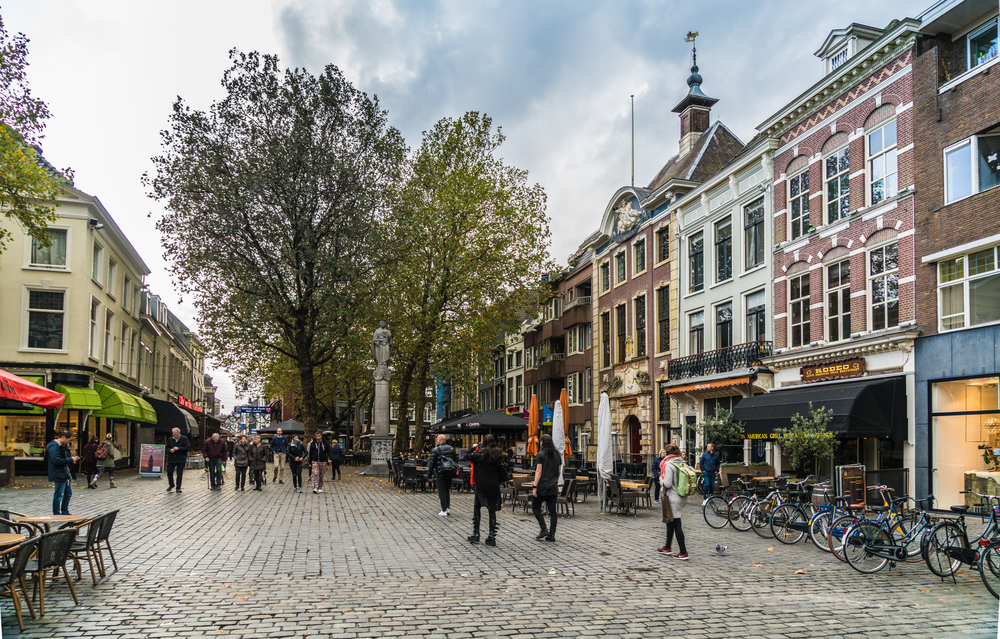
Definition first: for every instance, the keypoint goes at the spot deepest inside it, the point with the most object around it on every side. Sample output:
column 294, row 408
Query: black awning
column 480, row 423
column 170, row 416
column 875, row 408
column 288, row 427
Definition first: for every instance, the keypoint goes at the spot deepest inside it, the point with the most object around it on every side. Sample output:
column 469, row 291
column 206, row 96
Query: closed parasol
column 558, row 431
column 532, row 448
column 605, row 461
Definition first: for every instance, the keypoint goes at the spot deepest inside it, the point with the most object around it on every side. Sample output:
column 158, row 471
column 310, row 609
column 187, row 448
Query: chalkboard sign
column 851, row 483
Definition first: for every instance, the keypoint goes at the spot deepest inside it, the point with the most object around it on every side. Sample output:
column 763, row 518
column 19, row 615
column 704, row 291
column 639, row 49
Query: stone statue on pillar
column 381, row 439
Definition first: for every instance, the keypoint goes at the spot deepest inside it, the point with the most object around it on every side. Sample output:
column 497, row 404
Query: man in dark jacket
column 319, row 453
column 444, row 465
column 336, row 456
column 258, row 462
column 709, row 467
column 214, row 450
column 177, row 450
column 279, row 446
column 58, row 454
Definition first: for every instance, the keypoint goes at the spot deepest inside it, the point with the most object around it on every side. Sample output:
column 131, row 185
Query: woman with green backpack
column 672, row 502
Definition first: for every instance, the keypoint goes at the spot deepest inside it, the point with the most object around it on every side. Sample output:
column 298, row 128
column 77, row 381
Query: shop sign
column 187, row 403
column 629, row 402
column 834, row 370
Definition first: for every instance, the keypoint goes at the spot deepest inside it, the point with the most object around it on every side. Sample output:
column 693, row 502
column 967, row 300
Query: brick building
column 844, row 258
column 956, row 113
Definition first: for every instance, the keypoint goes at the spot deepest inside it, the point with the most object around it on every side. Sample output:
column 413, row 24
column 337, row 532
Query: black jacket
column 295, row 449
column 444, row 450
column 182, row 444
column 319, row 451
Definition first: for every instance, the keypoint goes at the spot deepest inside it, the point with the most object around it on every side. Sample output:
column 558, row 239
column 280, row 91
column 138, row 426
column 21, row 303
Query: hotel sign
column 834, row 370
column 628, row 402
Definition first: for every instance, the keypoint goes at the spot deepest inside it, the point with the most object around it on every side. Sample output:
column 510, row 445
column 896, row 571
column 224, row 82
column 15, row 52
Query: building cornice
column 856, row 347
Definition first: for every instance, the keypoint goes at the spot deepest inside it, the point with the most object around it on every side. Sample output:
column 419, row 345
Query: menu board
column 851, row 483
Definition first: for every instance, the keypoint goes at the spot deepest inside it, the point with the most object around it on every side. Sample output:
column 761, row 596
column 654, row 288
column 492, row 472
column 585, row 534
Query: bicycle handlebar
column 885, row 488
column 962, row 492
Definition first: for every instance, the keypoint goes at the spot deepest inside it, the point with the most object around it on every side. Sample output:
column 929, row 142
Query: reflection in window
column 837, row 169
column 724, row 250
column 838, row 300
column 696, row 258
column 756, row 323
column 45, row 319
column 798, row 195
column 696, row 337
column 52, row 255
column 753, row 232
column 798, row 298
column 882, row 162
column 983, row 44
column 883, row 270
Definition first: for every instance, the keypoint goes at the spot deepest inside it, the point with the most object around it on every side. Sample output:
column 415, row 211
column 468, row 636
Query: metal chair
column 620, row 499
column 13, row 578
column 569, row 488
column 53, row 552
column 88, row 546
column 8, row 525
column 412, row 478
column 104, row 537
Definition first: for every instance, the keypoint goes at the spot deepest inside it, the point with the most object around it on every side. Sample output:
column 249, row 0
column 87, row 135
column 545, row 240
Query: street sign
column 259, row 410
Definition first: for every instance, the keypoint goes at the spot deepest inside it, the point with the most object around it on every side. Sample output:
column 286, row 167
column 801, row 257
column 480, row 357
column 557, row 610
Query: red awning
column 693, row 388
column 18, row 389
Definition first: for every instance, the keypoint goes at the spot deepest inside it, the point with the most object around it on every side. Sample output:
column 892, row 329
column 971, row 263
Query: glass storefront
column 23, row 435
column 965, row 422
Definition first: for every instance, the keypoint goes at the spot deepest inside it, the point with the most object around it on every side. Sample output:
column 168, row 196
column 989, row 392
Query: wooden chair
column 569, row 489
column 88, row 546
column 618, row 498
column 53, row 552
column 522, row 493
column 582, row 486
column 13, row 578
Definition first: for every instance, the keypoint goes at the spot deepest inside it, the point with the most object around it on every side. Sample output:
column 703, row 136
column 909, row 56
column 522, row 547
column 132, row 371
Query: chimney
column 695, row 109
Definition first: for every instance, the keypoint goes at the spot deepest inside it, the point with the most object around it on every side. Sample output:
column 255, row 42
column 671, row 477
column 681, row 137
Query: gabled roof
column 713, row 150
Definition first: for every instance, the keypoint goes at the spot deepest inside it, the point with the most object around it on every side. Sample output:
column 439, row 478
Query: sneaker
column 442, row 514
column 314, row 491
column 683, row 556
column 704, row 501
column 320, row 490
column 656, row 501
column 664, row 551
column 550, row 538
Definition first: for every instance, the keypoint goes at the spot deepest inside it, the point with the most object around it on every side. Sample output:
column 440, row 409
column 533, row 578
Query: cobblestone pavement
column 366, row 560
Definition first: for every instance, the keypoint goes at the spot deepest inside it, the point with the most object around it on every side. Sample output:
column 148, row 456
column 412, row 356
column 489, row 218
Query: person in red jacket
column 215, row 452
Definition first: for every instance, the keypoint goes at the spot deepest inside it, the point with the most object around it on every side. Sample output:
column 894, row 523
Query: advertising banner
column 150, row 460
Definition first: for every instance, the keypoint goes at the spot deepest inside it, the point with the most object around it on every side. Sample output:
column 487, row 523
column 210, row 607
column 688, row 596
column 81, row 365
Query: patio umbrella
column 532, row 448
column 16, row 391
column 605, row 462
column 558, row 431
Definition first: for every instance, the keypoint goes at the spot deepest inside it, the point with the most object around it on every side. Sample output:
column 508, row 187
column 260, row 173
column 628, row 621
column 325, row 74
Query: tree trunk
column 402, row 441
column 307, row 382
column 418, row 434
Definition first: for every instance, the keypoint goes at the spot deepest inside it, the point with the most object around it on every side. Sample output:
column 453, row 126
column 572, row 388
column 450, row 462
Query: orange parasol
column 532, row 448
column 569, row 448
column 564, row 400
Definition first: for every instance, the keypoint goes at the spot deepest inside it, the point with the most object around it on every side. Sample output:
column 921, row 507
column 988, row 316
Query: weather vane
column 690, row 37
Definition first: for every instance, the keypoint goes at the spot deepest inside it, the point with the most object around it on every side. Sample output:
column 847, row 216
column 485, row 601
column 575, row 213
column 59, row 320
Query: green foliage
column 277, row 199
column 721, row 429
column 28, row 185
column 808, row 442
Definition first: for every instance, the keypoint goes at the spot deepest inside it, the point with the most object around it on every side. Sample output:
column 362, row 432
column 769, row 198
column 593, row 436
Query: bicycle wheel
column 835, row 536
column 819, row 529
column 989, row 568
column 701, row 484
column 912, row 535
column 760, row 519
column 739, row 513
column 858, row 540
column 788, row 524
column 942, row 537
column 716, row 512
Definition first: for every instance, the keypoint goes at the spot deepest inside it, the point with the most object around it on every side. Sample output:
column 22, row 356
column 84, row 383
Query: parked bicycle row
column 868, row 538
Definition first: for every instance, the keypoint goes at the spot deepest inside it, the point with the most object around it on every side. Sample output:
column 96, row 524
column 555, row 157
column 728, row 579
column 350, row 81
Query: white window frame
column 717, row 254
column 837, row 176
column 869, row 159
column 807, row 322
column 123, row 363
column 803, row 197
column 97, row 267
column 94, row 336
column 29, row 242
column 869, row 283
column 837, row 290
column 972, row 143
column 112, row 284
column 993, row 23
column 605, row 266
column 126, row 293
column 25, row 310
column 109, row 338
column 964, row 281
column 635, row 257
column 691, row 325
column 620, row 256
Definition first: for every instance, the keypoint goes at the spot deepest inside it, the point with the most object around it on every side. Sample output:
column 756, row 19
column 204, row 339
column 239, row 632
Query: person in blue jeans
column 335, row 458
column 58, row 453
column 656, row 475
column 709, row 467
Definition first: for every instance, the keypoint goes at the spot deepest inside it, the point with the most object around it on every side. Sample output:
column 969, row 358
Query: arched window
column 836, row 177
column 798, row 196
column 883, row 165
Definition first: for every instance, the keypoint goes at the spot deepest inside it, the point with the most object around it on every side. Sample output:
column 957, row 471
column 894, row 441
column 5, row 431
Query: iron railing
column 554, row 357
column 720, row 361
column 577, row 301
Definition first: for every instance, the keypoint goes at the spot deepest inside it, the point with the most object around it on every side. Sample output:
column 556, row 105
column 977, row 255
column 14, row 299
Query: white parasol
column 558, row 435
column 605, row 461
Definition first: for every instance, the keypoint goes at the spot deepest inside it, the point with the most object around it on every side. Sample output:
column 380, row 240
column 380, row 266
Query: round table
column 48, row 520
column 10, row 539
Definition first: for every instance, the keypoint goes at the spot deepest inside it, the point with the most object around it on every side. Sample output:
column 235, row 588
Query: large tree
column 473, row 239
column 275, row 197
column 29, row 186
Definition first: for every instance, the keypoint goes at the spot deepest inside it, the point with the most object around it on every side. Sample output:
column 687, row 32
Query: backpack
column 102, row 451
column 686, row 483
column 446, row 465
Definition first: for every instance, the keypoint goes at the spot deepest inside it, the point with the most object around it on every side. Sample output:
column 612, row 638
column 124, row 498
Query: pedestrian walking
column 443, row 466
column 296, row 454
column 336, row 457
column 177, row 449
column 672, row 504
column 279, row 446
column 214, row 450
column 545, row 487
column 59, row 461
column 90, row 462
column 241, row 460
column 319, row 453
column 656, row 475
column 709, row 467
column 490, row 471
column 106, row 455
column 258, row 462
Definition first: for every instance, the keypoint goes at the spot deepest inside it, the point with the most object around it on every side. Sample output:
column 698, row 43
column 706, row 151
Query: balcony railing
column 582, row 300
column 719, row 361
column 554, row 357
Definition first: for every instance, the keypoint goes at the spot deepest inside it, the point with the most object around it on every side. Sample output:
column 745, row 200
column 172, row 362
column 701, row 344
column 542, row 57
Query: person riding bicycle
column 709, row 467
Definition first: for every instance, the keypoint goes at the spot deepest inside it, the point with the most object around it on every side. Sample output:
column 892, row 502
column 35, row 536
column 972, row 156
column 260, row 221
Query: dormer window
column 839, row 58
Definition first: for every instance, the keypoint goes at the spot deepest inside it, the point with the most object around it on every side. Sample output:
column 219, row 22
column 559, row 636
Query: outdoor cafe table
column 48, row 520
column 10, row 539
column 634, row 485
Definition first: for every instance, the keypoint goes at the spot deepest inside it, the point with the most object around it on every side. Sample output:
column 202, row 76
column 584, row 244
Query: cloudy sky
column 556, row 75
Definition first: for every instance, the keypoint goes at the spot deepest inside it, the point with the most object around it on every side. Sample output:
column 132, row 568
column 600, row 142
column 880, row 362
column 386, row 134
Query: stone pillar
column 381, row 439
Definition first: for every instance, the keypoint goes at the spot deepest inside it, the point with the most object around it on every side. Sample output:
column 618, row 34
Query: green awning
column 37, row 410
column 118, row 404
column 79, row 398
column 148, row 412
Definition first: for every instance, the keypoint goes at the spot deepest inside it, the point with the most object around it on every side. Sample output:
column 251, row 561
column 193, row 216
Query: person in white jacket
column 672, row 503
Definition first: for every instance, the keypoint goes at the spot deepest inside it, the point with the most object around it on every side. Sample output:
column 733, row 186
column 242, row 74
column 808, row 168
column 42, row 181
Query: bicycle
column 947, row 545
column 870, row 545
column 790, row 521
column 749, row 512
column 989, row 566
column 835, row 535
column 821, row 523
column 717, row 507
